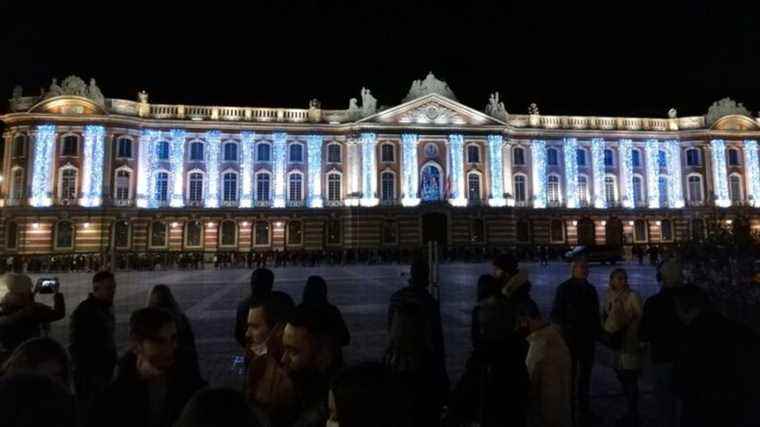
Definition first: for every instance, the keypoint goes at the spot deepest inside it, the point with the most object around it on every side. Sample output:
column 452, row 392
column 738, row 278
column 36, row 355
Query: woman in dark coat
column 315, row 295
column 161, row 297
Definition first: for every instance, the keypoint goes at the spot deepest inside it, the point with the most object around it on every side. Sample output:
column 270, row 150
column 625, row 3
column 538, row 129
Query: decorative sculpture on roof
column 94, row 93
column 354, row 112
column 142, row 96
column 430, row 85
column 18, row 92
column 725, row 107
column 369, row 103
column 495, row 108
column 54, row 89
column 73, row 85
column 672, row 113
column 533, row 109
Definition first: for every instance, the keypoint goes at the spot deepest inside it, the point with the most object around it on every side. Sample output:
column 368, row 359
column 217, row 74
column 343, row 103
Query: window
column 639, row 230
column 263, row 152
column 19, row 146
column 68, row 184
column 609, row 158
column 476, row 230
column 11, row 235
column 386, row 153
column 70, row 145
column 662, row 186
column 333, row 187
column 636, row 158
column 261, row 233
column 195, row 189
column 64, row 235
column 520, row 194
column 662, row 160
column 230, row 187
column 697, row 229
column 333, row 232
column 333, row 153
column 295, row 233
column 666, row 229
column 523, row 231
column 162, row 150
column 296, row 153
column 580, row 157
column 295, row 184
column 262, row 186
column 582, row 189
column 735, row 188
column 158, row 234
column 609, row 189
column 695, row 188
column 390, row 232
column 194, row 234
column 121, row 235
column 196, row 151
column 387, row 186
column 124, row 148
column 733, row 157
column 162, row 186
column 692, row 157
column 228, row 233
column 473, row 186
column 17, row 186
column 122, row 185
column 552, row 189
column 231, row 152
column 638, row 191
column 552, row 159
column 473, row 154
column 518, row 156
column 557, row 231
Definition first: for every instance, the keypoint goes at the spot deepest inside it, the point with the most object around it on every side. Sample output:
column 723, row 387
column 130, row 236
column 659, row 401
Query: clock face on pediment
column 432, row 110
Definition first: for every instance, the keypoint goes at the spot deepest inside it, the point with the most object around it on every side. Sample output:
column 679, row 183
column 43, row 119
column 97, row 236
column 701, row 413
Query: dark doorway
column 586, row 232
column 614, row 232
column 434, row 229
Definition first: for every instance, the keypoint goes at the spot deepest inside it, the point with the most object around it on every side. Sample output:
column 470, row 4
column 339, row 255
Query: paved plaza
column 210, row 298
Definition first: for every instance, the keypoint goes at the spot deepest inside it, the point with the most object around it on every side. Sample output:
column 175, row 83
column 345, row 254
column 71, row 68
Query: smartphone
column 49, row 285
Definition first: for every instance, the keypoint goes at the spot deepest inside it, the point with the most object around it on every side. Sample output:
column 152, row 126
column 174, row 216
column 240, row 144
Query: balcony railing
column 230, row 203
column 195, row 203
column 333, row 203
column 122, row 203
column 295, row 203
column 262, row 203
column 14, row 202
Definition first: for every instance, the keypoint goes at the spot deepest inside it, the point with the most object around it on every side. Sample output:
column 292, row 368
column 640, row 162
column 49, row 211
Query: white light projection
column 177, row 162
column 314, row 148
column 538, row 155
column 145, row 167
column 651, row 152
column 675, row 180
column 44, row 148
column 278, row 153
column 409, row 175
column 246, row 169
column 720, row 174
column 92, row 166
column 456, row 145
column 626, row 172
column 496, row 169
column 570, row 148
column 597, row 165
column 752, row 169
column 369, row 168
column 213, row 143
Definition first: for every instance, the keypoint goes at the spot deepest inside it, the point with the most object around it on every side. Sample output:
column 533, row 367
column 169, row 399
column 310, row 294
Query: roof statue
column 495, row 108
column 672, row 113
column 94, row 93
column 368, row 108
column 73, row 85
column 725, row 107
column 142, row 96
column 18, row 92
column 533, row 109
column 430, row 85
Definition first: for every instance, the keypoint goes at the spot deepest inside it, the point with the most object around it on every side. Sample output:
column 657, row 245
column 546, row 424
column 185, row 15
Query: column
column 278, row 168
column 496, row 170
column 570, row 148
column 597, row 166
column 675, row 176
column 651, row 152
column 625, row 155
column 44, row 157
column 92, row 166
column 507, row 172
column 177, row 163
column 752, row 172
column 538, row 171
column 353, row 164
column 409, row 170
column 144, row 169
column 369, row 170
column 314, row 148
column 720, row 173
column 246, row 169
column 213, row 142
column 456, row 170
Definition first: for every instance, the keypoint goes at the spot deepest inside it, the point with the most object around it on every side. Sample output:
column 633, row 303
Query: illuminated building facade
column 82, row 172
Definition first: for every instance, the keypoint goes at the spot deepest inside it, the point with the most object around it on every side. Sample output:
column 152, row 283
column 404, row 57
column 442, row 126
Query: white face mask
column 332, row 423
column 260, row 349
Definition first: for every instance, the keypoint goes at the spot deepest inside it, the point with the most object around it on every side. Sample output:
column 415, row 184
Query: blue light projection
column 570, row 148
column 456, row 146
column 538, row 154
column 720, row 174
column 369, row 168
column 753, row 172
column 177, row 162
column 675, row 180
column 246, row 169
column 496, row 170
column 145, row 167
column 278, row 155
column 626, row 172
column 597, row 165
column 92, row 166
column 651, row 152
column 44, row 147
column 213, row 143
column 409, row 175
column 314, row 149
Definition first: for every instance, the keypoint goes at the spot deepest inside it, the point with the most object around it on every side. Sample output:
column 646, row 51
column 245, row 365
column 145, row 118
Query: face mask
column 260, row 349
column 332, row 423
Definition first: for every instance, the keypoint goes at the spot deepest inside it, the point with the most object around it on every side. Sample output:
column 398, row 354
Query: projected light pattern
column 456, row 145
column 538, row 153
column 92, row 166
column 369, row 167
column 314, row 149
column 246, row 169
column 278, row 155
column 177, row 162
column 144, row 164
column 651, row 152
column 753, row 172
column 675, row 186
column 409, row 173
column 213, row 143
column 44, row 149
column 626, row 172
column 570, row 148
column 597, row 165
column 496, row 169
column 720, row 174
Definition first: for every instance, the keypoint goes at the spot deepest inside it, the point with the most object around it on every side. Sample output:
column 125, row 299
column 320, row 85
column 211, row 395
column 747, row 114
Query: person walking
column 161, row 297
column 262, row 280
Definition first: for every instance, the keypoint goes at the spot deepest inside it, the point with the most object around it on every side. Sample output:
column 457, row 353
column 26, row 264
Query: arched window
column 228, row 233
column 158, row 234
column 662, row 186
column 195, row 187
column 295, row 153
column 609, row 158
column 636, row 158
column 431, row 183
column 11, row 235
column 552, row 159
column 333, row 232
column 638, row 191
column 557, row 231
column 390, row 232
column 230, row 182
column 518, row 156
column 162, row 150
column 261, row 233
column 295, row 187
column 162, row 186
column 196, row 151
column 473, row 154
column 124, row 148
column 662, row 159
column 735, row 188
column 17, row 185
column 194, row 234
column 230, row 152
column 473, row 186
column 262, row 186
column 520, row 190
column 733, row 157
column 695, row 188
column 263, row 152
column 610, row 189
column 666, row 230
column 476, row 230
column 639, row 231
column 697, row 229
column 386, row 153
column 552, row 189
column 333, row 187
column 523, row 230
column 19, row 146
column 692, row 157
column 580, row 157
column 121, row 235
column 70, row 145
column 387, row 186
column 582, row 189
column 68, row 190
column 122, row 185
column 333, row 153
column 64, row 235
column 295, row 233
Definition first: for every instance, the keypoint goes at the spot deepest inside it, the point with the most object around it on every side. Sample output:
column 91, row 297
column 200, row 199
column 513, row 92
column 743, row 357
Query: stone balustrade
column 605, row 123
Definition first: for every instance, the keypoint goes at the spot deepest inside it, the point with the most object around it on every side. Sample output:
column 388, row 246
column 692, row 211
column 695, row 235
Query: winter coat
column 268, row 386
column 661, row 327
column 549, row 369
column 19, row 324
column 576, row 312
column 622, row 312
column 91, row 337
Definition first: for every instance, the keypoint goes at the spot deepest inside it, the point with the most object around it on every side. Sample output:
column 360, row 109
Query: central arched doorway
column 434, row 229
column 614, row 232
column 586, row 232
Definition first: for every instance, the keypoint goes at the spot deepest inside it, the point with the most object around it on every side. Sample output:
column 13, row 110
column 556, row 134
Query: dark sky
column 611, row 58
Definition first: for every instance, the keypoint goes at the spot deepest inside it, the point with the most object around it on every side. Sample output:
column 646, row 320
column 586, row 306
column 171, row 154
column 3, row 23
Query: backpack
column 410, row 342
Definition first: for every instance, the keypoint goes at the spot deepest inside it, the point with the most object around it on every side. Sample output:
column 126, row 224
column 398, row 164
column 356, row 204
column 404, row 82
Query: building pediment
column 432, row 109
column 735, row 122
column 68, row 104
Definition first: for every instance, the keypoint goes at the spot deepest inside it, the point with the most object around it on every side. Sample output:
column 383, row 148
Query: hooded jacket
column 91, row 337
column 576, row 312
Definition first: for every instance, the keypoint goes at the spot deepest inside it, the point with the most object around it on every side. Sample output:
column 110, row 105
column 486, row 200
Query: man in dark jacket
column 91, row 337
column 152, row 385
column 262, row 280
column 21, row 318
column 576, row 312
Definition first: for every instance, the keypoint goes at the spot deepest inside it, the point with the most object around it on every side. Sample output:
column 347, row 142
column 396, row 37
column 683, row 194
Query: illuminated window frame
column 56, row 232
column 186, row 234
column 220, row 234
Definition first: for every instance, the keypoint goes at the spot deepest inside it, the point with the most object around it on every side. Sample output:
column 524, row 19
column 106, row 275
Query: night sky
column 613, row 58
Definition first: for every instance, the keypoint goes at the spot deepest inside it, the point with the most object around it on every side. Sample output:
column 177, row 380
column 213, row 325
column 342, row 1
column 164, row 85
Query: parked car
column 598, row 253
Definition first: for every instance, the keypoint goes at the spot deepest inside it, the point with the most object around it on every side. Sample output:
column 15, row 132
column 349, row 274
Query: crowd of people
column 524, row 369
